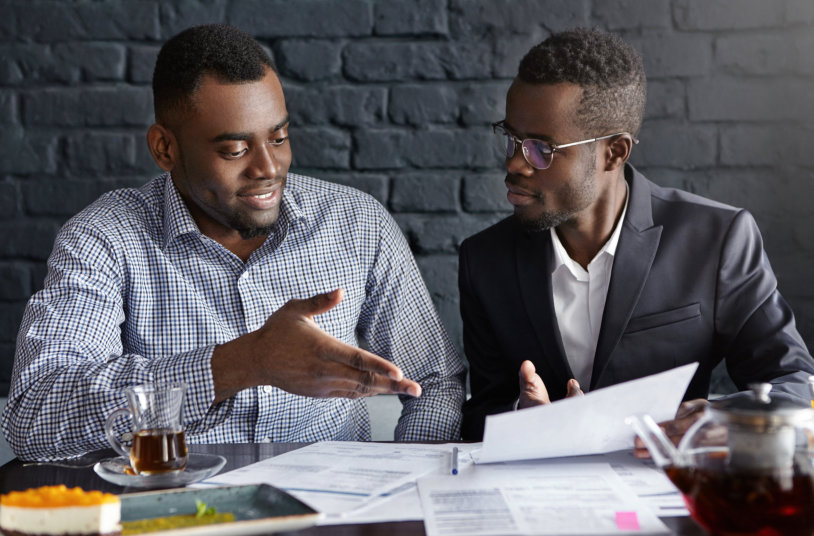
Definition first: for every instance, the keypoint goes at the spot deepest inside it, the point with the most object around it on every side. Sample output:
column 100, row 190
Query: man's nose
column 264, row 163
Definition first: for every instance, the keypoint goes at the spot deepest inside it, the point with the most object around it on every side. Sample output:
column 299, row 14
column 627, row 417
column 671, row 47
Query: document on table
column 589, row 424
column 647, row 481
column 353, row 482
column 538, row 497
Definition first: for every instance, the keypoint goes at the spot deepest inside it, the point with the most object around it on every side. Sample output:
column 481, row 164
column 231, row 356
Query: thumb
column 532, row 389
column 318, row 303
column 573, row 388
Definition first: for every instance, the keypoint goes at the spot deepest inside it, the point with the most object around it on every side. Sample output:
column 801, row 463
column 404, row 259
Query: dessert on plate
column 58, row 510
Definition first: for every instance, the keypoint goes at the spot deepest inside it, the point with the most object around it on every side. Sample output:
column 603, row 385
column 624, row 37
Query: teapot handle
column 662, row 450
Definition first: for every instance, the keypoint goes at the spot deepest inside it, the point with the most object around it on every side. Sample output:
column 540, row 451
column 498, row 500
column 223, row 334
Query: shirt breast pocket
column 664, row 318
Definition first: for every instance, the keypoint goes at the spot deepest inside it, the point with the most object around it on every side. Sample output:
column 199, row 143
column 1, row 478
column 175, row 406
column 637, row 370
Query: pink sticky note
column 627, row 521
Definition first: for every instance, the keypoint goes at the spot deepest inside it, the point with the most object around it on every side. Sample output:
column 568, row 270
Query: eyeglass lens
column 536, row 152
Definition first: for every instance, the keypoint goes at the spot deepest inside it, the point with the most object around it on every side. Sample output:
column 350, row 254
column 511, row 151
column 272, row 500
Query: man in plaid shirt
column 251, row 284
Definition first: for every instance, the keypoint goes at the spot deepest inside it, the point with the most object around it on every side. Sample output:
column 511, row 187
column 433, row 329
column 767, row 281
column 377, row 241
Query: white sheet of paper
column 589, row 424
column 538, row 497
column 352, row 482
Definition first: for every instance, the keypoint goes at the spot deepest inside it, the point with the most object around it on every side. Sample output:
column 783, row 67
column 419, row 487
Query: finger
column 573, row 388
column 359, row 360
column 317, row 304
column 532, row 389
column 369, row 384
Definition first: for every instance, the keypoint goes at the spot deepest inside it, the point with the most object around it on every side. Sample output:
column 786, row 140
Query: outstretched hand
column 533, row 391
column 291, row 352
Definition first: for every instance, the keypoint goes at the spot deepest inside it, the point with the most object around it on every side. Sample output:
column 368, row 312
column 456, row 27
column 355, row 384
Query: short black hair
column 220, row 50
column 609, row 71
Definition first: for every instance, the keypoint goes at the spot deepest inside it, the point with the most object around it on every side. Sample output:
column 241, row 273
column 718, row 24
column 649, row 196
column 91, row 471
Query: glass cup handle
column 111, row 437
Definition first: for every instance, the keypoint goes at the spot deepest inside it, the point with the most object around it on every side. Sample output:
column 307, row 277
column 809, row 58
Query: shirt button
column 268, row 388
column 266, row 440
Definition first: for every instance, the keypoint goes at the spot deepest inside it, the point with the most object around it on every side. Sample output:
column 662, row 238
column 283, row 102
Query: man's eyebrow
column 245, row 136
column 534, row 135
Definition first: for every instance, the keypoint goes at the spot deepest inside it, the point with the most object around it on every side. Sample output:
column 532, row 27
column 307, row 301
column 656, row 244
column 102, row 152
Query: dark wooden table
column 17, row 475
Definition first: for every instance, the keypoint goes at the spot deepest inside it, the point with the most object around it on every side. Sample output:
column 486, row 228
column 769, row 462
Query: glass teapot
column 746, row 467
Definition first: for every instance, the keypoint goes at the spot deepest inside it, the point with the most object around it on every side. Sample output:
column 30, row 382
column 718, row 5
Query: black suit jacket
column 690, row 282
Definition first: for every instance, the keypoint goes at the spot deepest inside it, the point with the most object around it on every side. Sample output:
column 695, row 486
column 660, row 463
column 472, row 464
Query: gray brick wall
column 395, row 97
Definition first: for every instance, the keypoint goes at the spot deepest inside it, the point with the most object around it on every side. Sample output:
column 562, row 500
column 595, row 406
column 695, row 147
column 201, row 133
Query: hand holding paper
column 590, row 424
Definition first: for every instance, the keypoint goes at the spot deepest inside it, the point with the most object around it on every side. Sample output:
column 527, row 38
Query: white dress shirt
column 579, row 301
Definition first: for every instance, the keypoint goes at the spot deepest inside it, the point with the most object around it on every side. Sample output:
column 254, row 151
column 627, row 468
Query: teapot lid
column 761, row 410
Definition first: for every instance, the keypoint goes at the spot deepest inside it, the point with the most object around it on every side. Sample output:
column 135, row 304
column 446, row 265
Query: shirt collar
column 561, row 256
column 178, row 220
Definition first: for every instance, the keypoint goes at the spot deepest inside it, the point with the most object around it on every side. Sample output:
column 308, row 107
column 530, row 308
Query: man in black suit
column 600, row 276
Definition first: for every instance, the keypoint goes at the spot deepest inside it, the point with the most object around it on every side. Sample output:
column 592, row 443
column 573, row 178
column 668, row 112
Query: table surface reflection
column 17, row 475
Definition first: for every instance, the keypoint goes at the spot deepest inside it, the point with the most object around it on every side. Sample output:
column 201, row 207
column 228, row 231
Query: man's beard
column 544, row 221
column 247, row 228
column 247, row 233
column 575, row 198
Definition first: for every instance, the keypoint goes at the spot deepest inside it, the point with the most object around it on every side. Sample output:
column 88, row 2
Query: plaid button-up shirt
column 135, row 293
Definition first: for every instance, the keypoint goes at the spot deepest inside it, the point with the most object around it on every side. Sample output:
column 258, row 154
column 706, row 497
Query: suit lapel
column 534, row 252
column 638, row 244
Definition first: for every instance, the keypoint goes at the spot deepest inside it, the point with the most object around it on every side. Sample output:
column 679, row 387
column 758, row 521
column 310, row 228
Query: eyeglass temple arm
column 563, row 146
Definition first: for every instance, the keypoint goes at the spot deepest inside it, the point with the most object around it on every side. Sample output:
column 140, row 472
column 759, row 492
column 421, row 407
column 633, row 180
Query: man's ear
column 618, row 151
column 163, row 146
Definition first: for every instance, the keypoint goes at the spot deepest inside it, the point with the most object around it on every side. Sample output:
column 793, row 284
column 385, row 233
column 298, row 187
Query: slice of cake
column 55, row 510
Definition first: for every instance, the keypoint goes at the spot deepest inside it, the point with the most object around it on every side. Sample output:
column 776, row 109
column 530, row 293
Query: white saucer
column 199, row 467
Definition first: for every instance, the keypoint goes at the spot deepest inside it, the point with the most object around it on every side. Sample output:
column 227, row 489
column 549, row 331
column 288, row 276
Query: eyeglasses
column 538, row 153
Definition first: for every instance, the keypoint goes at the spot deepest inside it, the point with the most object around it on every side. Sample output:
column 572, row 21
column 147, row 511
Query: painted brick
column 178, row 15
column 420, row 17
column 107, row 106
column 55, row 21
column 8, row 108
column 8, row 26
column 613, row 15
column 387, row 61
column 799, row 11
column 373, row 184
column 26, row 152
column 485, row 192
column 425, row 192
column 733, row 99
column 30, row 64
column 666, row 54
column 441, row 274
column 474, row 18
column 99, row 153
column 423, row 104
column 726, row 14
column 756, row 54
column 309, row 59
column 766, row 145
column 27, row 239
column 15, row 282
column 343, row 105
column 320, row 147
column 483, row 104
column 442, row 233
column 319, row 18
column 11, row 313
column 99, row 61
column 9, row 200
column 665, row 99
column 682, row 146
column 141, row 63
column 510, row 50
column 59, row 197
column 804, row 44
column 391, row 149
